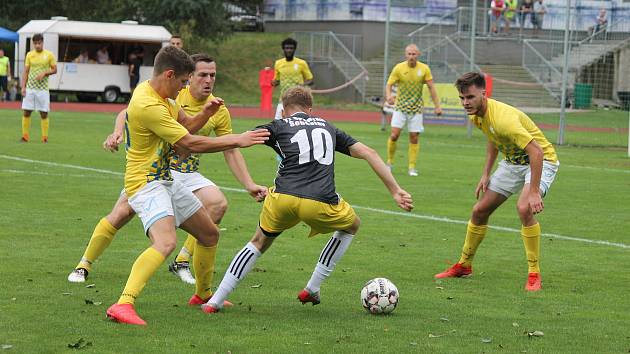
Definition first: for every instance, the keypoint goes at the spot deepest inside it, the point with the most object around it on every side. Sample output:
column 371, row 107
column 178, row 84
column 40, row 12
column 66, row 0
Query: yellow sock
column 187, row 250
column 413, row 154
column 391, row 150
column 474, row 236
column 102, row 236
column 531, row 240
column 26, row 126
column 203, row 264
column 44, row 125
column 141, row 271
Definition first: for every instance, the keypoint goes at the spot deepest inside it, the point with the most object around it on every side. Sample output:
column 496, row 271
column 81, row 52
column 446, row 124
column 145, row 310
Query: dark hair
column 37, row 37
column 289, row 41
column 173, row 58
column 470, row 79
column 203, row 57
column 298, row 96
column 176, row 36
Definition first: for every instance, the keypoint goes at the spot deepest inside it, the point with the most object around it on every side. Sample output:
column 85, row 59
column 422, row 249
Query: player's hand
column 112, row 142
column 482, row 186
column 390, row 100
column 438, row 111
column 23, row 92
column 403, row 199
column 253, row 137
column 535, row 202
column 212, row 107
column 257, row 192
column 275, row 82
column 181, row 152
column 40, row 76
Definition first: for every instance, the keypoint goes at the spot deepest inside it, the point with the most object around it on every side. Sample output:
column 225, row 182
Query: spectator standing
column 135, row 61
column 5, row 75
column 539, row 13
column 527, row 9
column 511, row 7
column 497, row 9
column 83, row 57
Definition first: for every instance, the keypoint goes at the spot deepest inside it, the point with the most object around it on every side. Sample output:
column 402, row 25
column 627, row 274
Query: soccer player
column 39, row 64
column 305, row 191
column 192, row 99
column 161, row 203
column 529, row 167
column 290, row 71
column 410, row 76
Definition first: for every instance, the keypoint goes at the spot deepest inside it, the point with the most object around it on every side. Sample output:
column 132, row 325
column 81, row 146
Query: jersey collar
column 301, row 115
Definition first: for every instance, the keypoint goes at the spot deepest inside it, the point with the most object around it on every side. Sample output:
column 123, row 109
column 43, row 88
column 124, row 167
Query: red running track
column 254, row 112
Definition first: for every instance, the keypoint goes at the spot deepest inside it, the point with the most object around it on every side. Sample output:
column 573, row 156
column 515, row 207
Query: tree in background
column 198, row 21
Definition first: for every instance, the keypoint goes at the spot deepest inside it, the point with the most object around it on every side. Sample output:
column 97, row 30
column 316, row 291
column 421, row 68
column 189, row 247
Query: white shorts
column 159, row 199
column 414, row 122
column 192, row 181
column 279, row 109
column 509, row 178
column 36, row 100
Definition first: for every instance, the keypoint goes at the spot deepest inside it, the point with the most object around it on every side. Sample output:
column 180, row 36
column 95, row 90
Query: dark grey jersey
column 307, row 146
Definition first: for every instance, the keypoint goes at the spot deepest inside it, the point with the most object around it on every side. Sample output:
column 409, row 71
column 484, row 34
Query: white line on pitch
column 381, row 211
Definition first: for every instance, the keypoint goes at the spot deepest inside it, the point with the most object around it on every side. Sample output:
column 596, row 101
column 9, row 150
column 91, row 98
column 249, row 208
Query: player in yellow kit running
column 410, row 76
column 290, row 71
column 529, row 167
column 39, row 64
column 163, row 204
column 192, row 99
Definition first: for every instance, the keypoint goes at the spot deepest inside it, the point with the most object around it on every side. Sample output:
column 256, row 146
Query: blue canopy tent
column 8, row 36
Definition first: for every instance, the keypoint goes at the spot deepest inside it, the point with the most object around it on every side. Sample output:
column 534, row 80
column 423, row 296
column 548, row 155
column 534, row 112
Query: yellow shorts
column 283, row 211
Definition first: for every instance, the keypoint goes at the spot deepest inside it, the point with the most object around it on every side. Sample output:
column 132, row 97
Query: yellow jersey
column 220, row 123
column 410, row 82
column 291, row 73
column 151, row 128
column 39, row 62
column 511, row 130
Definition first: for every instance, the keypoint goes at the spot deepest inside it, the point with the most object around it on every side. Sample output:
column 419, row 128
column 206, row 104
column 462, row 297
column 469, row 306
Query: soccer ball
column 379, row 296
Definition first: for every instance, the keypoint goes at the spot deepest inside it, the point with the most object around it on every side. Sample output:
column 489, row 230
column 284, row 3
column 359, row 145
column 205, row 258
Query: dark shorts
column 4, row 83
column 133, row 81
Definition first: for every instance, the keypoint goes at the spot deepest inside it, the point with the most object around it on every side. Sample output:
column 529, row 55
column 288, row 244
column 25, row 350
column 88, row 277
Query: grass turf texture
column 50, row 211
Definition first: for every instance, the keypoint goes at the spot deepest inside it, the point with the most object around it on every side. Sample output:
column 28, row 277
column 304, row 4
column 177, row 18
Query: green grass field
column 54, row 194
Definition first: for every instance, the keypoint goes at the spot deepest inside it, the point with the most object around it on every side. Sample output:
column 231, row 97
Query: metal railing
column 329, row 47
column 542, row 70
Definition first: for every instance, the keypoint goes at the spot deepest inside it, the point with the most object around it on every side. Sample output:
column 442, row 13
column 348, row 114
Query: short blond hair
column 298, row 96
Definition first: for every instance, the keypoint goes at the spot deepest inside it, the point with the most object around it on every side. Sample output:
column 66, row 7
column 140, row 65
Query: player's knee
column 523, row 210
column 120, row 215
column 355, row 226
column 165, row 247
column 393, row 137
column 480, row 212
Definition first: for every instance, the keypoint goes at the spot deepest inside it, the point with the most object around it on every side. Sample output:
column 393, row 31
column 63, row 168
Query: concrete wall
column 327, row 76
column 373, row 33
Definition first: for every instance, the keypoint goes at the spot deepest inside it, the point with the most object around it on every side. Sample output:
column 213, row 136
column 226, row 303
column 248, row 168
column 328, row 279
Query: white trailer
column 66, row 39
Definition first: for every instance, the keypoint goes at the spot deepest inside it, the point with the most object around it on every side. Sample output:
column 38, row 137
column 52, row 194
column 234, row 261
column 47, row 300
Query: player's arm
column 388, row 94
column 27, row 69
column 116, row 137
column 307, row 75
column 535, row 153
column 236, row 162
column 435, row 97
column 51, row 71
column 9, row 69
column 491, row 156
column 362, row 151
column 196, row 122
column 276, row 75
column 201, row 144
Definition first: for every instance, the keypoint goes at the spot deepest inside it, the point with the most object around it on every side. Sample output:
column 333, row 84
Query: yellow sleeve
column 276, row 71
column 393, row 77
column 158, row 119
column 52, row 60
column 306, row 71
column 224, row 122
column 512, row 128
column 427, row 74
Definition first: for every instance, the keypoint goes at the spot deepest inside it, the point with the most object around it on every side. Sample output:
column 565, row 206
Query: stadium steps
column 513, row 85
column 585, row 54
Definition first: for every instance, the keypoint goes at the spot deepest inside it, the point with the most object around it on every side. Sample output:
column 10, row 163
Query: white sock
column 242, row 263
column 331, row 254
